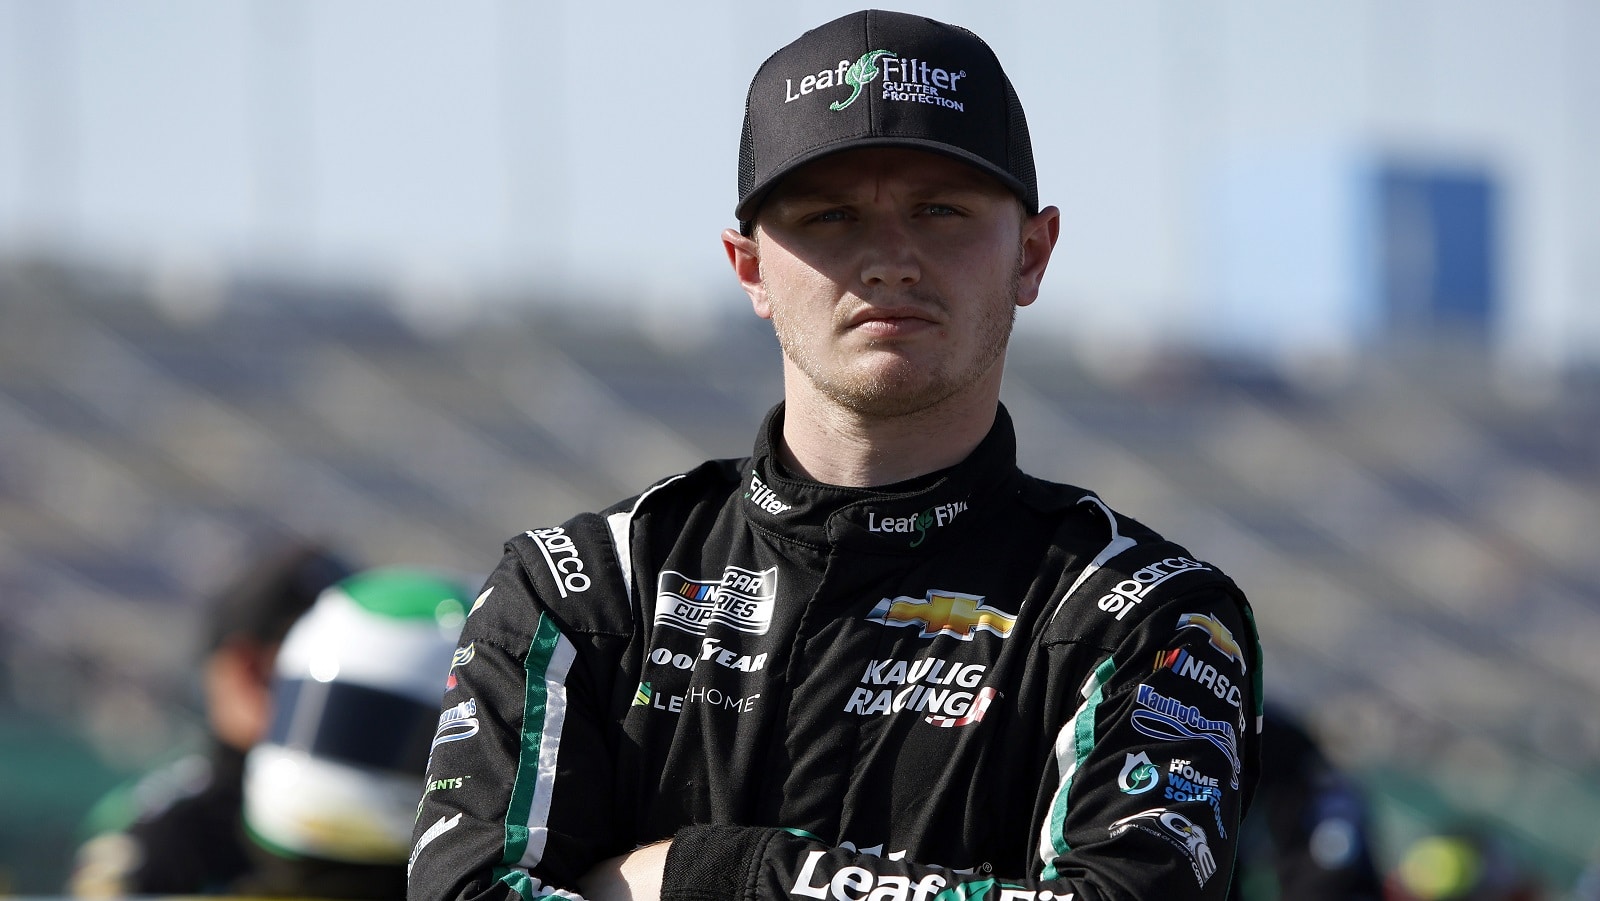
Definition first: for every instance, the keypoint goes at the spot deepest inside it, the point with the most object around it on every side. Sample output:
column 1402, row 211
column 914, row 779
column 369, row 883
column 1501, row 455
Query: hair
column 265, row 599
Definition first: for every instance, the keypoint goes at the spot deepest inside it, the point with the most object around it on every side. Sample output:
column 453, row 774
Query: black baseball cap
column 882, row 79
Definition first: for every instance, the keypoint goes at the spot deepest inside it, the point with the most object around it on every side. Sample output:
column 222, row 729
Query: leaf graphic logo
column 859, row 75
column 1138, row 774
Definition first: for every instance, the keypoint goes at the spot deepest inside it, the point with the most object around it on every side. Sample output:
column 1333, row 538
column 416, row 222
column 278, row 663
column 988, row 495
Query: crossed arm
column 635, row 876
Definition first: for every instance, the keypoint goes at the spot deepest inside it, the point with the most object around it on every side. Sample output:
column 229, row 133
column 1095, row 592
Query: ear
column 1039, row 234
column 238, row 687
column 744, row 253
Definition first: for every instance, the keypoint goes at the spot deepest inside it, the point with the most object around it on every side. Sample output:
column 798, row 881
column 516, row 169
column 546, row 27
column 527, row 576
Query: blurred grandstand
column 1419, row 542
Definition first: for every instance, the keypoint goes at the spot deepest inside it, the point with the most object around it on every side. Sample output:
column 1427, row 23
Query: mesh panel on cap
column 1019, row 149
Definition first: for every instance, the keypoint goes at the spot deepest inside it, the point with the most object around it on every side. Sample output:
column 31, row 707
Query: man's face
column 892, row 276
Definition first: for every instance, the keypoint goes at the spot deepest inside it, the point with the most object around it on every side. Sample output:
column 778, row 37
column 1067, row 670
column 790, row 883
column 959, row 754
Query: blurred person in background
column 176, row 830
column 1463, row 862
column 330, row 793
column 1308, row 834
column 872, row 659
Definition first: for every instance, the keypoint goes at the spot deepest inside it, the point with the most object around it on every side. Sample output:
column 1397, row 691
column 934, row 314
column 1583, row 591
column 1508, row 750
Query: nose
column 889, row 254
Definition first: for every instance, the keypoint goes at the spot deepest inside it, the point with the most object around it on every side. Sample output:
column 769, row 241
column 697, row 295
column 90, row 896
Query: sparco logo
column 942, row 515
column 742, row 599
column 764, row 497
column 1130, row 591
column 904, row 81
column 561, row 555
column 944, row 613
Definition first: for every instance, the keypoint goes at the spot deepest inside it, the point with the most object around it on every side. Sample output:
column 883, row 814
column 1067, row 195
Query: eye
column 831, row 214
column 941, row 210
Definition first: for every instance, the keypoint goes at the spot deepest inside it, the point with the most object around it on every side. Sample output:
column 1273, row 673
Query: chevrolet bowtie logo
column 1221, row 638
column 944, row 613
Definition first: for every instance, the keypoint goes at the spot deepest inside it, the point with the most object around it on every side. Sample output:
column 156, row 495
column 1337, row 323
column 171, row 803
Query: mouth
column 891, row 319
column 891, row 328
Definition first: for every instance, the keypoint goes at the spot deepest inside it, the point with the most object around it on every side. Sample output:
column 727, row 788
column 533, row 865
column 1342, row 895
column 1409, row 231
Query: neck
column 838, row 446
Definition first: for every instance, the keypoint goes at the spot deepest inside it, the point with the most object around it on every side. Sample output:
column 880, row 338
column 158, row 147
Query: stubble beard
column 904, row 387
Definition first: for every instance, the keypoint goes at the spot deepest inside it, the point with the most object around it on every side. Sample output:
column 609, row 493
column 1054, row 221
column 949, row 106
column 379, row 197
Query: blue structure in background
column 1436, row 244
column 1328, row 249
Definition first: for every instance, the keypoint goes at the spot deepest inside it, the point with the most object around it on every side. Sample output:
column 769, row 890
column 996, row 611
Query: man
column 1309, row 833
column 873, row 661
column 178, row 830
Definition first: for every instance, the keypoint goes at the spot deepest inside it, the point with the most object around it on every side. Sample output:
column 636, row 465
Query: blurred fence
column 1420, row 545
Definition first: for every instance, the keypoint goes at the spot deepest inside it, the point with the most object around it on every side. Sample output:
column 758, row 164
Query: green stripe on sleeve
column 544, row 712
column 1073, row 744
column 1257, row 682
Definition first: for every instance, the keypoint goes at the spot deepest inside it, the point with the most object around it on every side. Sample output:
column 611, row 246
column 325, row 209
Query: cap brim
column 751, row 204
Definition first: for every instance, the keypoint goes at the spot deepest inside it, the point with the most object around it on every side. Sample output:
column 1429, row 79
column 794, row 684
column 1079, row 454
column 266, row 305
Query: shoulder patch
column 575, row 572
column 1133, row 565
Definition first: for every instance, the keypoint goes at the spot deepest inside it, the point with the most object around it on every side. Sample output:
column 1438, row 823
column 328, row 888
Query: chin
column 888, row 396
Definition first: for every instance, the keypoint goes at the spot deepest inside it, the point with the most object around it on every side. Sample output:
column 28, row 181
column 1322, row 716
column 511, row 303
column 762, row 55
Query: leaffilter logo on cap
column 905, row 80
column 859, row 75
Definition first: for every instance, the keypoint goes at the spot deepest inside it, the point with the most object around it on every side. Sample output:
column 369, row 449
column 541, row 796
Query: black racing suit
column 180, row 834
column 972, row 685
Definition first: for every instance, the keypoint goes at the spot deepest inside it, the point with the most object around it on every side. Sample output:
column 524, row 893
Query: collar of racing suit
column 918, row 516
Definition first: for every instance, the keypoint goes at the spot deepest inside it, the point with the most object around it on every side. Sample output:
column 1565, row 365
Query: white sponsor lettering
column 1184, row 768
column 827, row 78
column 921, row 685
column 434, row 831
column 1022, row 894
column 1185, row 783
column 851, row 883
column 929, row 670
column 711, row 697
column 854, row 883
column 561, row 555
column 457, row 723
column 912, row 78
column 1178, row 830
column 764, row 497
column 932, row 518
column 1130, row 591
column 742, row 600
column 710, row 649
column 1204, row 673
column 919, row 698
column 902, row 71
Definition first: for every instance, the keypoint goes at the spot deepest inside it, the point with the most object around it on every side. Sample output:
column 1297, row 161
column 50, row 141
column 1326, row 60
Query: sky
column 582, row 150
